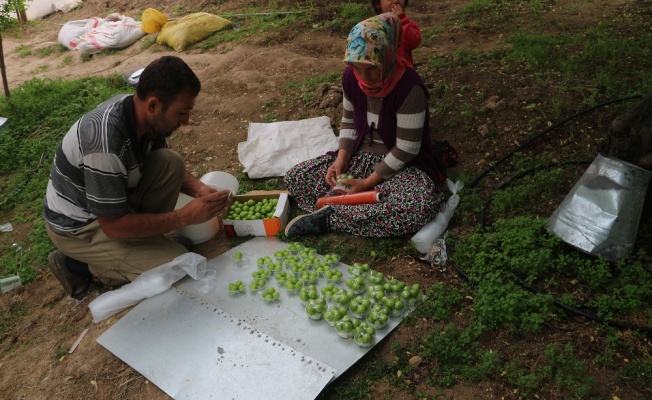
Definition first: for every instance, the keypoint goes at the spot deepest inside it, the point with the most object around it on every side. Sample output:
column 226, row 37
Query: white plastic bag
column 426, row 237
column 148, row 284
column 273, row 148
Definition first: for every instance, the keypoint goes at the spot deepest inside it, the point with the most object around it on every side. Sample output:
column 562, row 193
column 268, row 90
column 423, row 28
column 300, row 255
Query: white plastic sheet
column 273, row 148
column 148, row 284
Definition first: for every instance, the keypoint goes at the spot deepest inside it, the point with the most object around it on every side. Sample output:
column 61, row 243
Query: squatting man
column 114, row 184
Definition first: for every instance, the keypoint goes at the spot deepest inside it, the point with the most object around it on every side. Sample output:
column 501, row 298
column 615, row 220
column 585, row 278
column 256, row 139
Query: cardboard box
column 260, row 227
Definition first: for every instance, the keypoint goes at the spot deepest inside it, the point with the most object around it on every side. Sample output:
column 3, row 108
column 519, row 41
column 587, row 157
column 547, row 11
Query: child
column 411, row 33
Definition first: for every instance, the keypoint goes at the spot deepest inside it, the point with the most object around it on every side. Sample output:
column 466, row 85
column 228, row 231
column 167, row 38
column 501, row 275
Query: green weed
column 569, row 373
column 148, row 42
column 271, row 117
column 67, row 60
column 23, row 50
column 637, row 372
column 308, row 87
column 455, row 351
column 348, row 15
column 440, row 303
column 247, row 184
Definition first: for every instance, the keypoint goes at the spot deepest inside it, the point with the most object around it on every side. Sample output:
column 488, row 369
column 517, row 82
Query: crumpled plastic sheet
column 437, row 255
column 148, row 284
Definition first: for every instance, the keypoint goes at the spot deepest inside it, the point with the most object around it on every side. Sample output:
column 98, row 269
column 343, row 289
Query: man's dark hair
column 376, row 5
column 165, row 78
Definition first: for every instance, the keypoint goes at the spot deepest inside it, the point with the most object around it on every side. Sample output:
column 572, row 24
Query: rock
column 415, row 360
column 331, row 98
column 495, row 103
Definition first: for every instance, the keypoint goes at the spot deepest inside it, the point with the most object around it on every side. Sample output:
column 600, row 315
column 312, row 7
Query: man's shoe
column 75, row 286
column 314, row 223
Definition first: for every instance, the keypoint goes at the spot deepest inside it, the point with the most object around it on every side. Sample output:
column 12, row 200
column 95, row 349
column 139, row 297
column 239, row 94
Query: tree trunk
column 21, row 15
column 630, row 139
column 3, row 69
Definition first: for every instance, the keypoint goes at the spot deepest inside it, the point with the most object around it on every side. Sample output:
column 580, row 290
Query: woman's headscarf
column 374, row 41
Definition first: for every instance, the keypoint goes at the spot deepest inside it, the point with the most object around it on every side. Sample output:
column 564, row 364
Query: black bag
column 445, row 155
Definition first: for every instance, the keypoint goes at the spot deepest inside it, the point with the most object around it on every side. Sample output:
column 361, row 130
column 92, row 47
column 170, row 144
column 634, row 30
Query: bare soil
column 238, row 82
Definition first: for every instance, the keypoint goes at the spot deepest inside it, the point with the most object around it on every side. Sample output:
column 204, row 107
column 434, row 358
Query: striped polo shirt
column 97, row 163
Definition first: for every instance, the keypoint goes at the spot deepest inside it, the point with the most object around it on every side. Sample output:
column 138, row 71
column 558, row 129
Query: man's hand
column 205, row 207
column 134, row 225
column 204, row 191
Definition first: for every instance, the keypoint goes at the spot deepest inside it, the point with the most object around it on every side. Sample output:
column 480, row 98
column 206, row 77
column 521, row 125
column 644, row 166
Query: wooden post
column 3, row 70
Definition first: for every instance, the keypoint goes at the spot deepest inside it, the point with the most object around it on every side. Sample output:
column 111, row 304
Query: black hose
column 520, row 175
column 550, row 128
column 593, row 317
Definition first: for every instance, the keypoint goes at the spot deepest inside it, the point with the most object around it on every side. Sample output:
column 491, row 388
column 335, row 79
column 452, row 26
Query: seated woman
column 384, row 143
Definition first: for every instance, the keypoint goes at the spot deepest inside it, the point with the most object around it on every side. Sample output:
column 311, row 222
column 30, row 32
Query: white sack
column 37, row 9
column 273, row 148
column 66, row 6
column 148, row 284
column 114, row 32
column 71, row 31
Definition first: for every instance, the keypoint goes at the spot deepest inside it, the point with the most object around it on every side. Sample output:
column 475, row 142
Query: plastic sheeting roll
column 369, row 197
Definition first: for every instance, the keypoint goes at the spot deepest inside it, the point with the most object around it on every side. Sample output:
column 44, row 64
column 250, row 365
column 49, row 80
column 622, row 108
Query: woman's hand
column 362, row 185
column 333, row 172
column 339, row 166
column 355, row 185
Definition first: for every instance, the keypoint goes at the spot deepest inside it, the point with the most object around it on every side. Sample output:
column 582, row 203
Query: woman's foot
column 314, row 223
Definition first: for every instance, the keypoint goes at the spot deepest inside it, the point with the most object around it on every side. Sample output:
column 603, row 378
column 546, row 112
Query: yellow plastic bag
column 192, row 28
column 152, row 20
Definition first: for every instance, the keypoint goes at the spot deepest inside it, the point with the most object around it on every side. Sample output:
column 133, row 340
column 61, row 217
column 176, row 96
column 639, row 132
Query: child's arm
column 411, row 35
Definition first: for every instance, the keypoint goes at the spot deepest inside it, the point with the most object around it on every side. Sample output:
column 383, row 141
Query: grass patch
column 41, row 112
column 308, row 87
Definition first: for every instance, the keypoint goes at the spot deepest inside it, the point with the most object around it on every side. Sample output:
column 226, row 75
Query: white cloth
column 273, row 148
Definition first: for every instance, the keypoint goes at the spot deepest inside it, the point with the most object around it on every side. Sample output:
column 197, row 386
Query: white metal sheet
column 174, row 339
column 191, row 349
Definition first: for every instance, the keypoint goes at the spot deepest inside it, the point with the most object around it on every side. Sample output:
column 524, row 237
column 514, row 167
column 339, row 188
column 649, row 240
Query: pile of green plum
column 307, row 293
column 252, row 209
column 378, row 315
column 359, row 306
column 316, row 308
column 364, row 334
column 271, row 294
column 338, row 180
column 236, row 287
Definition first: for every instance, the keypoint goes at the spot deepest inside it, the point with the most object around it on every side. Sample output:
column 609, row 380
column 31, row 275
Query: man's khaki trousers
column 116, row 262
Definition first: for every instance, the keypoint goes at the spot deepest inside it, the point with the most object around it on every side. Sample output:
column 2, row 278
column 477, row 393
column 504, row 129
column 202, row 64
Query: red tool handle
column 369, row 197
